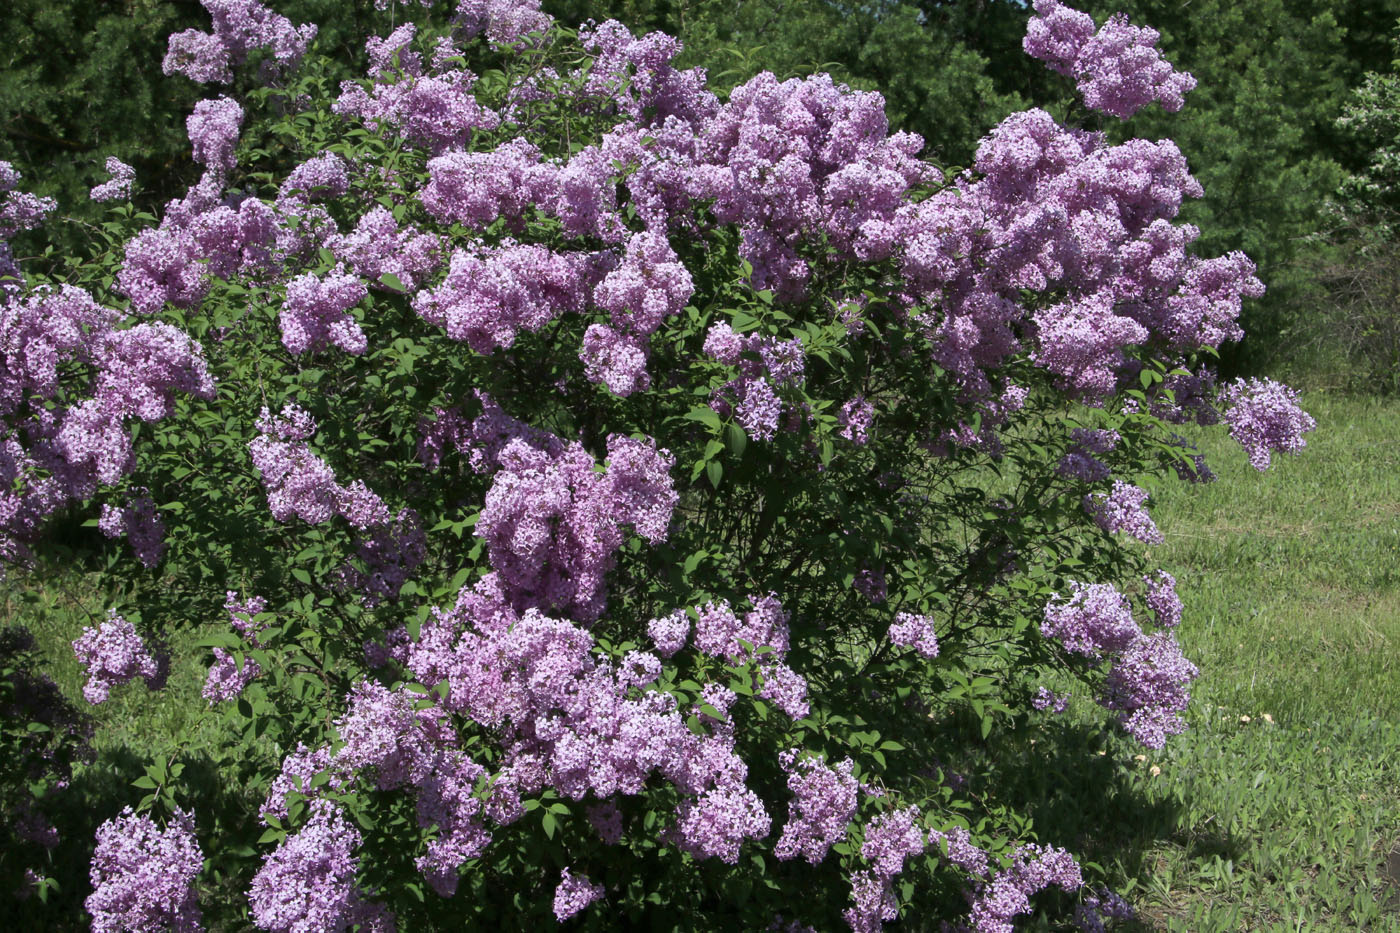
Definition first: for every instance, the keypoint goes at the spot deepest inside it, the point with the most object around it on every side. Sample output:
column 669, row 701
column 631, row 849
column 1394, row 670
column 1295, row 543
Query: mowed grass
column 1279, row 808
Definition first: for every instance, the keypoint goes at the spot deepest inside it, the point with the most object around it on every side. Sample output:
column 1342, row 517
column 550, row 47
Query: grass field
column 1280, row 807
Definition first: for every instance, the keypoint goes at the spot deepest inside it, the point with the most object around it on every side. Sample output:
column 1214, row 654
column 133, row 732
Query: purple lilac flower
column 574, row 893
column 118, row 188
column 786, row 688
column 669, row 633
column 227, row 678
column 316, row 315
column 957, row 845
column 309, row 881
column 322, row 176
column 113, row 654
column 874, row 903
column 140, row 524
column 614, row 359
column 213, row 130
column 378, row 246
column 1264, row 417
column 240, row 27
column 1148, row 684
column 1046, row 698
column 1162, row 599
column 915, row 631
column 19, row 210
column 1095, row 620
column 823, row 805
column 1105, row 904
column 855, row 419
column 1118, row 69
column 715, row 824
column 1008, row 894
column 143, row 877
column 1124, row 510
column 505, row 23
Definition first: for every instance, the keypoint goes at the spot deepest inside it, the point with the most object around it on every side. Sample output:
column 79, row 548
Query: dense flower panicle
column 139, row 523
column 491, row 294
column 957, row 845
column 1162, row 599
column 1083, row 343
column 1265, row 418
column 19, row 210
column 299, row 768
column 112, row 653
column 436, row 110
column 505, row 23
column 315, row 313
column 786, row 688
column 143, row 876
column 322, row 176
column 616, row 360
column 309, row 881
column 1008, row 894
column 669, row 633
column 1096, row 620
column 240, row 27
column 573, row 894
column 823, row 806
column 118, row 187
column 227, row 678
column 1056, row 34
column 476, row 188
column 378, row 246
column 874, row 903
column 716, row 824
column 912, row 630
column 162, row 266
column 298, row 482
column 143, row 367
column 636, row 76
column 1103, row 905
column 40, row 332
column 1124, row 509
column 552, row 524
column 720, row 632
column 213, row 129
column 1118, row 69
column 890, row 838
column 1148, row 684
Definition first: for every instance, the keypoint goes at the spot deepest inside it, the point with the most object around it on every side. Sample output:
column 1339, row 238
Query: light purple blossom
column 118, row 188
column 143, row 876
column 574, row 893
column 1008, row 894
column 1124, row 509
column 1162, row 599
column 823, row 806
column 912, row 630
column 113, row 654
column 1265, row 418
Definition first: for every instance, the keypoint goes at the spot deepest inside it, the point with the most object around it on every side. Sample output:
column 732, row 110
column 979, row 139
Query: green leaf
column 715, row 471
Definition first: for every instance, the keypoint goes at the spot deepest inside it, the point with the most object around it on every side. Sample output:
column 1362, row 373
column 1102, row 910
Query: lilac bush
column 636, row 483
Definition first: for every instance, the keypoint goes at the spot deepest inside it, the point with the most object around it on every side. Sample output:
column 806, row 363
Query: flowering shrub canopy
column 588, row 484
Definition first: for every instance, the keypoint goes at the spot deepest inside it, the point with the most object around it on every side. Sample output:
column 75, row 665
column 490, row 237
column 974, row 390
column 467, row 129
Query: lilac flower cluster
column 1149, row 678
column 1123, row 509
column 143, row 876
column 505, row 23
column 890, row 838
column 302, row 484
column 433, row 108
column 315, row 313
column 19, row 210
column 227, row 678
column 822, row 808
column 552, row 523
column 763, row 363
column 491, row 294
column 113, row 653
column 1008, row 894
column 855, row 418
column 139, row 523
column 309, row 881
column 912, row 630
column 378, row 246
column 240, row 27
column 574, row 893
column 1264, row 417
column 1118, row 69
column 956, row 844
column 213, row 129
column 1162, row 599
column 118, row 188
column 1080, row 462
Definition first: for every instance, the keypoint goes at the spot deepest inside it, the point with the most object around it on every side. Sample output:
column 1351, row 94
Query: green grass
column 1275, row 811
column 1281, row 804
